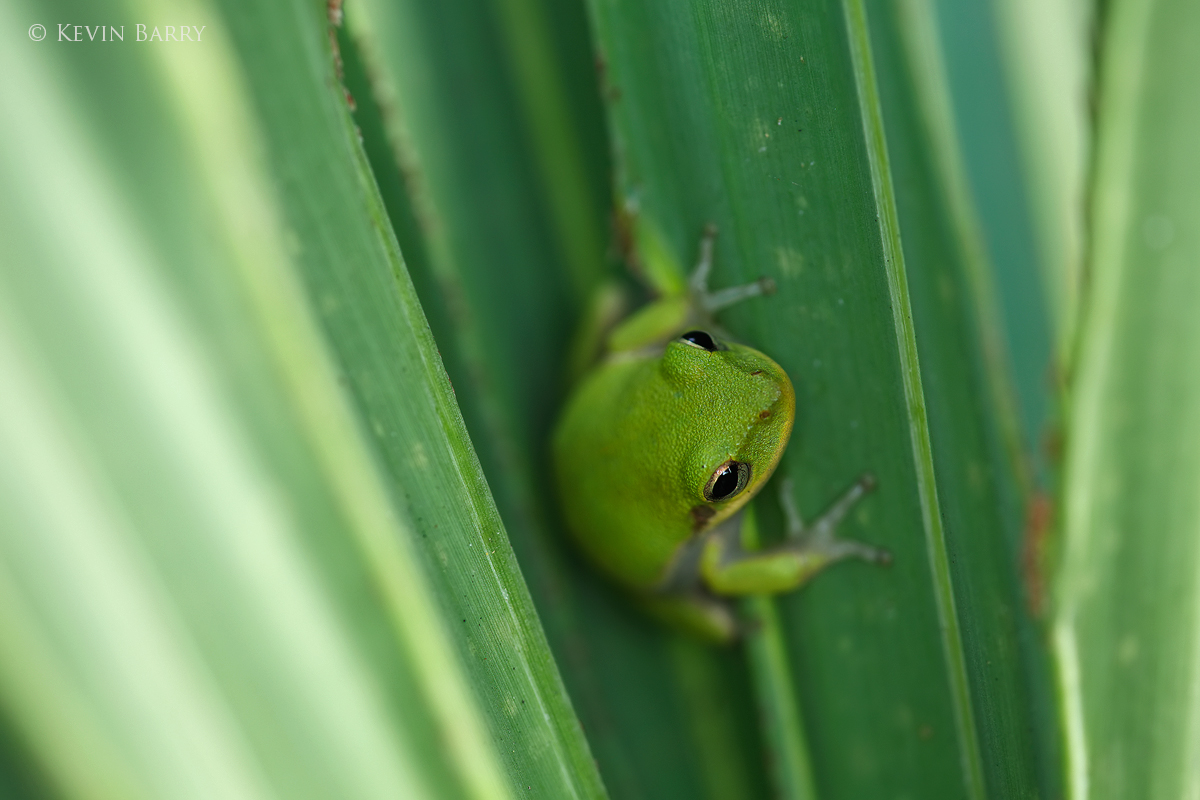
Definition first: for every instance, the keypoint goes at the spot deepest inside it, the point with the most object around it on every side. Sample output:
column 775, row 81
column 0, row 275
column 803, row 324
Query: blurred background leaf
column 247, row 547
column 1126, row 628
column 1004, row 172
column 1042, row 54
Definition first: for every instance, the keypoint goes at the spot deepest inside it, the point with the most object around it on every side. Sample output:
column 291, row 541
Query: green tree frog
column 665, row 440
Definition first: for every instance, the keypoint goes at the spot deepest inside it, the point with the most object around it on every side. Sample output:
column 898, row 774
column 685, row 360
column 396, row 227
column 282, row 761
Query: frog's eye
column 729, row 479
column 702, row 340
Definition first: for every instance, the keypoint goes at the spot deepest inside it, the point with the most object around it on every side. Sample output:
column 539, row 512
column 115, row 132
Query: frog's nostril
column 764, row 414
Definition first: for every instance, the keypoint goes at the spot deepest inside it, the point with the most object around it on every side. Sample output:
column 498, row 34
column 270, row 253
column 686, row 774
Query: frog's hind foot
column 696, row 613
column 712, row 302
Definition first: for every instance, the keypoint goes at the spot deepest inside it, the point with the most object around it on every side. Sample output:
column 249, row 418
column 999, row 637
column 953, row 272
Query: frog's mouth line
column 701, row 514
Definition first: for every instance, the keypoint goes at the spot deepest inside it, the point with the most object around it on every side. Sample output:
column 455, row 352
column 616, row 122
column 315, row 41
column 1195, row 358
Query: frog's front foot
column 820, row 537
column 712, row 302
column 731, row 570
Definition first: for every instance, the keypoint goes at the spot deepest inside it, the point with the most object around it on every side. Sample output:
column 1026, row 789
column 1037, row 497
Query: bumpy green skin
column 641, row 437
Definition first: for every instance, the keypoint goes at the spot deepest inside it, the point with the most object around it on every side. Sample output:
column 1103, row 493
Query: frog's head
column 731, row 418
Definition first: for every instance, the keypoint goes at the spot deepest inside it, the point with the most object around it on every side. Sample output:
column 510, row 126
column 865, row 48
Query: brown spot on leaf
column 1039, row 521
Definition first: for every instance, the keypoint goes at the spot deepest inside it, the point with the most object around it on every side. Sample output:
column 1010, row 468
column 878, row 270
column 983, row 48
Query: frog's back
column 623, row 509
